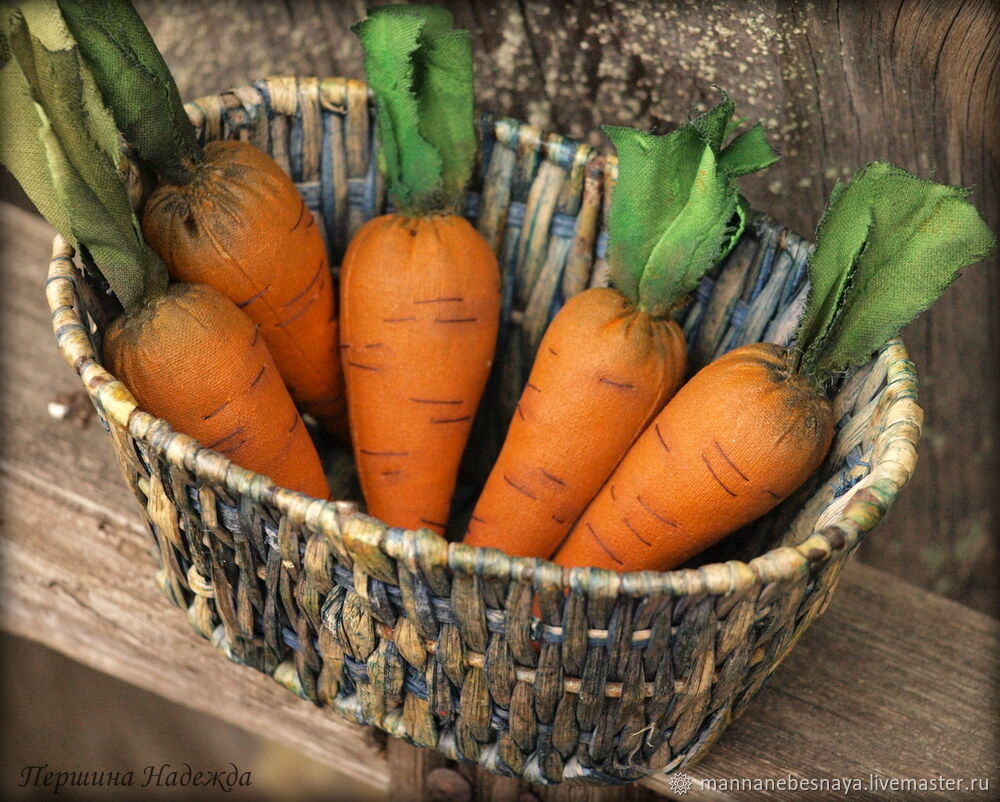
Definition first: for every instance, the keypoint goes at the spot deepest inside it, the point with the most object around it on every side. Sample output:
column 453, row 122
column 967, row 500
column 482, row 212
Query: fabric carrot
column 750, row 427
column 420, row 288
column 225, row 215
column 611, row 358
column 186, row 352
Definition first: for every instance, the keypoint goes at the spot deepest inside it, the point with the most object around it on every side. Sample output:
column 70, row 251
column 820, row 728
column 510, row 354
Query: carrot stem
column 420, row 71
column 888, row 245
column 676, row 210
column 79, row 184
column 137, row 85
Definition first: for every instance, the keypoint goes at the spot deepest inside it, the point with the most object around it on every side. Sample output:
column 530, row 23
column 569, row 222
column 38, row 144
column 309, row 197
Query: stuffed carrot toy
column 224, row 215
column 420, row 288
column 750, row 427
column 611, row 358
column 185, row 351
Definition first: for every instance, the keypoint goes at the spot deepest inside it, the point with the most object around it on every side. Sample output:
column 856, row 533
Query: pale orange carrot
column 420, row 289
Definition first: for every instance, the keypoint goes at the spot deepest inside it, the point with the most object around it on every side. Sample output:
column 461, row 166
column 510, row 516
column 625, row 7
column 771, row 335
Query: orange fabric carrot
column 243, row 228
column 707, row 465
column 611, row 358
column 186, row 352
column 420, row 289
column 749, row 428
column 191, row 357
column 225, row 215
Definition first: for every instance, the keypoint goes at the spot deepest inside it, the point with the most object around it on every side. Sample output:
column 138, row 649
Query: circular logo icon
column 680, row 783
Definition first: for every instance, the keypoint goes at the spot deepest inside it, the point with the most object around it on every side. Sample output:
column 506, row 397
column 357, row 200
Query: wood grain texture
column 69, row 716
column 891, row 680
column 837, row 83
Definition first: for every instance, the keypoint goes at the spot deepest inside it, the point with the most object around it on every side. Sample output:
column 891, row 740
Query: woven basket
column 435, row 642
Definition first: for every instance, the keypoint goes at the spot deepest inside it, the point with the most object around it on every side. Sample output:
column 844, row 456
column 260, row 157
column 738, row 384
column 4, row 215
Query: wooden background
column 838, row 84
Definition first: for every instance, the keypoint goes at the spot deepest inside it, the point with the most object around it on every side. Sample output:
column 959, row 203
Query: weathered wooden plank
column 891, row 680
column 837, row 83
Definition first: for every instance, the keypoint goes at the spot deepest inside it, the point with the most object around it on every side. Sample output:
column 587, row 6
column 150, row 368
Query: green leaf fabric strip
column 444, row 93
column 136, row 84
column 713, row 124
column 77, row 178
column 747, row 153
column 675, row 210
column 420, row 71
column 21, row 150
column 889, row 245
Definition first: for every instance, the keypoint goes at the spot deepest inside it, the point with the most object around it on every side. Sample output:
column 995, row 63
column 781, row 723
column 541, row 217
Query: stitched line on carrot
column 659, row 434
column 300, row 313
column 520, row 489
column 623, row 386
column 600, row 543
column 252, row 298
column 654, row 513
column 316, row 275
column 215, row 411
column 235, row 433
column 431, row 401
column 732, row 464
column 555, row 479
column 715, row 476
column 302, row 210
column 259, row 376
column 634, row 531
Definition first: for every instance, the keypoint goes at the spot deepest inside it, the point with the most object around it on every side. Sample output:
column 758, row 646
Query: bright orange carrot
column 751, row 427
column 242, row 227
column 707, row 465
column 602, row 370
column 190, row 356
column 611, row 358
column 186, row 352
column 418, row 345
column 225, row 215
column 420, row 289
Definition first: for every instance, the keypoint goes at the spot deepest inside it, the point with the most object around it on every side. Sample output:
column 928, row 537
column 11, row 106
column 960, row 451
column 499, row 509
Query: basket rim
column 864, row 507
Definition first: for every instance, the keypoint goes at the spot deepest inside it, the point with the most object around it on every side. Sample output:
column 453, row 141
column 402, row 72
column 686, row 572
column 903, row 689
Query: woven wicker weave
column 436, row 642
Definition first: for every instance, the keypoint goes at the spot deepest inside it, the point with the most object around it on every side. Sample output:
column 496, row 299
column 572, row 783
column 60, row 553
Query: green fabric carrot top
column 420, row 71
column 676, row 210
column 137, row 85
column 60, row 142
column 888, row 245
